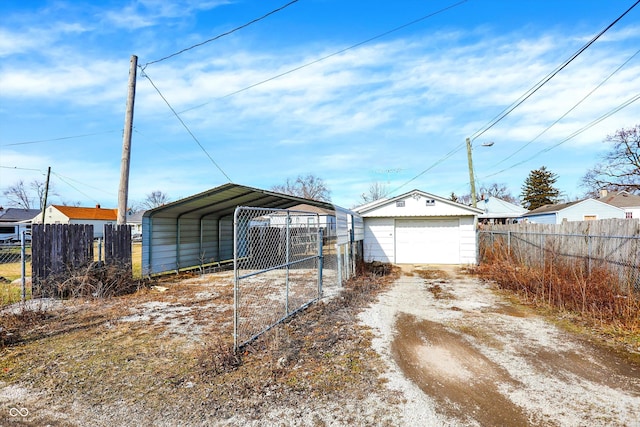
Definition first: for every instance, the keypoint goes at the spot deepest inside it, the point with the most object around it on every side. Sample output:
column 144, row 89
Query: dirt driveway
column 463, row 355
column 450, row 349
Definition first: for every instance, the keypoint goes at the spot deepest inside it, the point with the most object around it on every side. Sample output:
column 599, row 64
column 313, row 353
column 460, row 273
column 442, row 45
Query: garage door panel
column 428, row 241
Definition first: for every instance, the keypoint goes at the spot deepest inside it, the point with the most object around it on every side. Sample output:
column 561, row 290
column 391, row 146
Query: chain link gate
column 278, row 263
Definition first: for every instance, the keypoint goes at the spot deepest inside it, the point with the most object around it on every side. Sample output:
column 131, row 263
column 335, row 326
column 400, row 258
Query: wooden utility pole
column 472, row 180
column 123, row 191
column 46, row 193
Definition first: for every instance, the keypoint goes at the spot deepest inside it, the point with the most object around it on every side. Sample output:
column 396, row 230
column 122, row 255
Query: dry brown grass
column 594, row 298
column 87, row 352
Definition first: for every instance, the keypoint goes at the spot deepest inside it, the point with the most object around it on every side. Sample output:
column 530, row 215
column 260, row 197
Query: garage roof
column 223, row 200
column 418, row 203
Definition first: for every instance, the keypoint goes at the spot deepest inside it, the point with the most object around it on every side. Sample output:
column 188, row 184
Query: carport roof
column 223, row 200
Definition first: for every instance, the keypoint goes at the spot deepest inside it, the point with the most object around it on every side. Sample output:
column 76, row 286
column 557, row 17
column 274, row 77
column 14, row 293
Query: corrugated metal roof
column 73, row 212
column 223, row 200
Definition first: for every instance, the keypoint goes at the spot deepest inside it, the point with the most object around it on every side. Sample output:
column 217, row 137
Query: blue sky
column 395, row 109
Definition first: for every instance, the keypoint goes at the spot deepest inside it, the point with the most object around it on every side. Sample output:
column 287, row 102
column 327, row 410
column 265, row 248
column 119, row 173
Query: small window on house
column 430, row 202
column 628, row 215
column 590, row 218
column 400, row 204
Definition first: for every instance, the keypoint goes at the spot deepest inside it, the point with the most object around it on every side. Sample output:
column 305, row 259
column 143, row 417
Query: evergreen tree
column 538, row 189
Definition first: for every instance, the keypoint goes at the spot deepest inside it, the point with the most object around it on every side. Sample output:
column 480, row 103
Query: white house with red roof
column 98, row 217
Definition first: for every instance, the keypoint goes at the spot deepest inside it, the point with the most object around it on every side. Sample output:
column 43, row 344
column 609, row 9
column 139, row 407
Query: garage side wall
column 379, row 239
column 468, row 240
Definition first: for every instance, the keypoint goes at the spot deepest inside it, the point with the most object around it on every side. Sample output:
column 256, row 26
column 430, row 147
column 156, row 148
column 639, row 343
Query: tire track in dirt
column 462, row 380
column 480, row 360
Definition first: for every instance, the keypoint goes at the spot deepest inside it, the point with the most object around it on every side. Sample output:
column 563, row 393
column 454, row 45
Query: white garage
column 419, row 228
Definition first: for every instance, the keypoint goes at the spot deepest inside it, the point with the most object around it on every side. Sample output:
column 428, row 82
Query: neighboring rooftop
column 18, row 214
column 97, row 213
column 619, row 199
column 552, row 208
column 494, row 207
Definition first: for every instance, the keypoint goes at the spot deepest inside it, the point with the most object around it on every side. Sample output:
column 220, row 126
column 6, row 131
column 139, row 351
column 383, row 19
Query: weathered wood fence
column 60, row 250
column 613, row 245
column 117, row 245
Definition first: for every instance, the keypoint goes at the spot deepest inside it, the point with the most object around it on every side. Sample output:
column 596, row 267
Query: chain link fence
column 581, row 253
column 15, row 270
column 284, row 260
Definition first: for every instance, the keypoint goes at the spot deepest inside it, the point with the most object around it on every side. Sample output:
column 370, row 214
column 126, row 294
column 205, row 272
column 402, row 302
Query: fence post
column 287, row 244
column 509, row 242
column 588, row 255
column 320, row 262
column 236, row 292
column 23, row 262
column 99, row 250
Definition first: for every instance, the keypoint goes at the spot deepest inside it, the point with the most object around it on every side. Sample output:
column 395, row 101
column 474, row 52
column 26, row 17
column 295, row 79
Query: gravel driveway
column 463, row 355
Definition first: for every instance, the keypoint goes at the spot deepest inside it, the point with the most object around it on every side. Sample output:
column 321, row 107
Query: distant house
column 299, row 217
column 98, row 217
column 134, row 219
column 18, row 215
column 498, row 211
column 624, row 200
column 582, row 210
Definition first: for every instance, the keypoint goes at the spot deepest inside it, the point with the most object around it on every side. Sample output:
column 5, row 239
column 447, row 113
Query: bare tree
column 499, row 191
column 27, row 196
column 17, row 195
column 155, row 198
column 620, row 167
column 376, row 191
column 308, row 187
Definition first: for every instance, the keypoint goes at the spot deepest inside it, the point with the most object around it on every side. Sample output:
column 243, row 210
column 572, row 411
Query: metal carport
column 198, row 230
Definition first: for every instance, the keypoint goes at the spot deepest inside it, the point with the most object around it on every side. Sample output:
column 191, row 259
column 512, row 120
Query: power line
column 221, row 35
column 60, row 138
column 308, row 64
column 75, row 188
column 573, row 135
column 436, row 163
column 22, row 169
column 568, row 111
column 64, row 178
column 185, row 125
column 519, row 101
column 541, row 83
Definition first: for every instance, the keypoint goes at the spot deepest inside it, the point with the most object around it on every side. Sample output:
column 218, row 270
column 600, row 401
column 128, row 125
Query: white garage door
column 428, row 241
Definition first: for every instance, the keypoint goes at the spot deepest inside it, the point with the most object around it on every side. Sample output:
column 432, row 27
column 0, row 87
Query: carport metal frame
column 217, row 204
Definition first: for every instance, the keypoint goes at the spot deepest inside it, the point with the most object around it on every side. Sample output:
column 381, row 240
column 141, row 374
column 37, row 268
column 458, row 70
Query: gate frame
column 287, row 264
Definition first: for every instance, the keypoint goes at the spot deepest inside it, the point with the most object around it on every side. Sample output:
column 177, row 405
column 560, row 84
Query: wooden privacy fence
column 60, row 250
column 117, row 245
